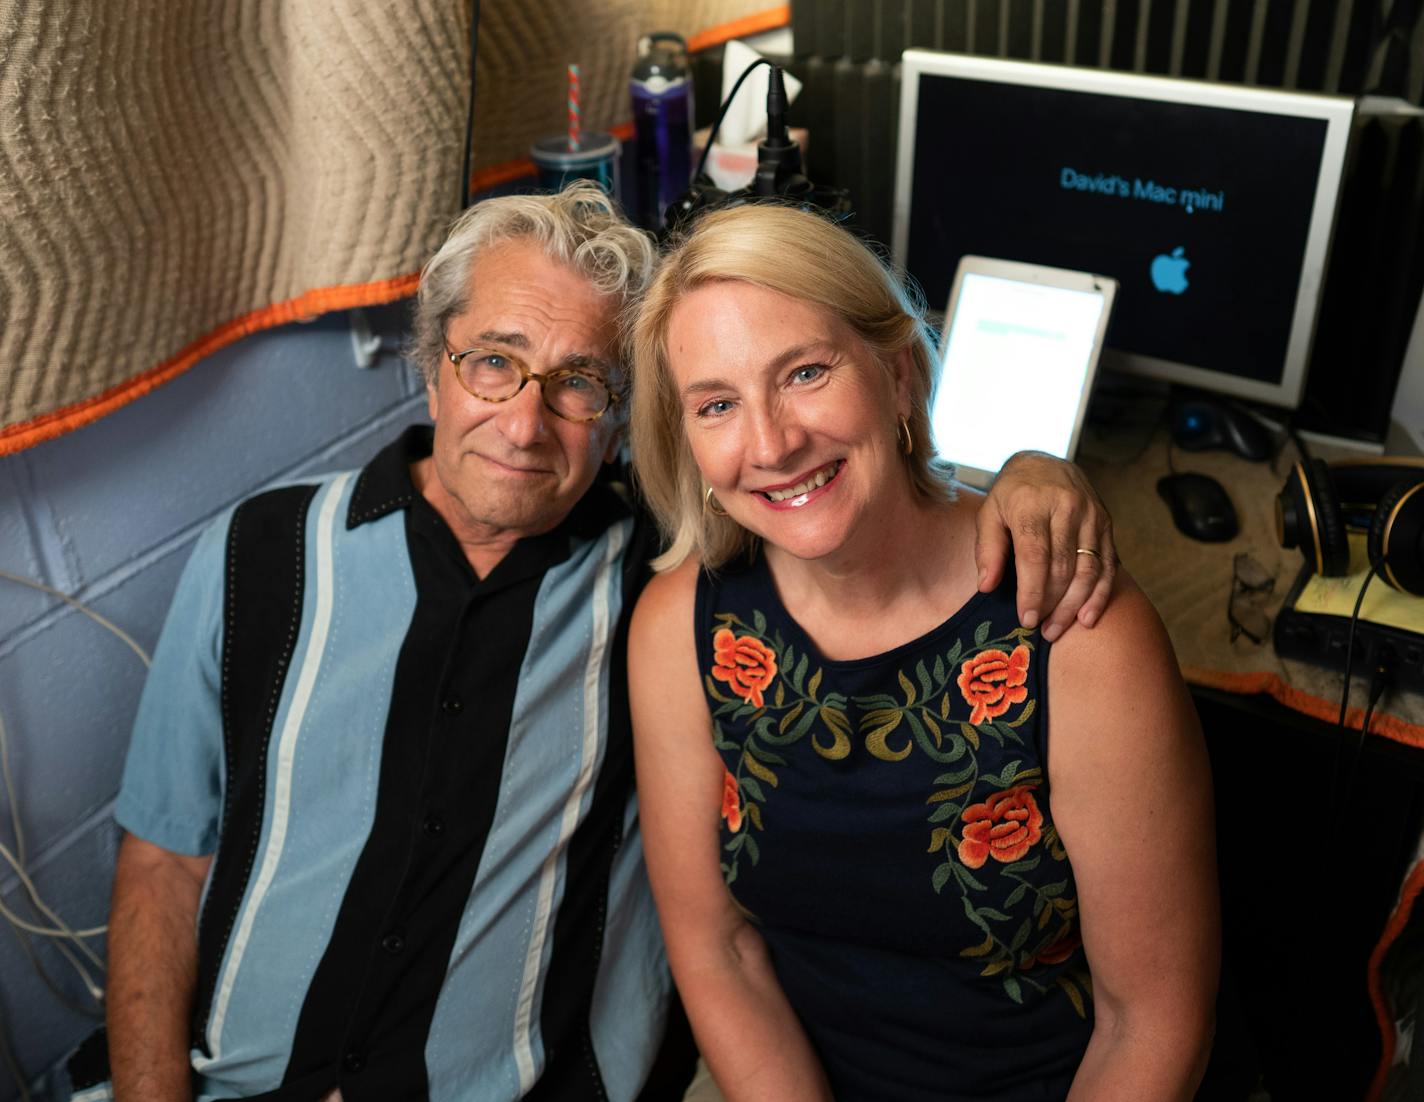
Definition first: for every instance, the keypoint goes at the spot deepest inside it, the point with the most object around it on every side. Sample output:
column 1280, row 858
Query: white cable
column 82, row 607
column 60, row 931
column 10, row 793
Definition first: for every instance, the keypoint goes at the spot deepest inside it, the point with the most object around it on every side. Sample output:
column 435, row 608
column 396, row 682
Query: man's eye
column 576, row 383
column 808, row 373
column 714, row 408
column 494, row 361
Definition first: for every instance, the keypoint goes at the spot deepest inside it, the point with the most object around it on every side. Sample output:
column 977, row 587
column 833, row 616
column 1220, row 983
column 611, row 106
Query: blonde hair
column 579, row 226
column 794, row 253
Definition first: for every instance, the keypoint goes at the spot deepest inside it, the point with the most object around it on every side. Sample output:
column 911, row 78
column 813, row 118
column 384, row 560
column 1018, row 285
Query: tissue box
column 733, row 166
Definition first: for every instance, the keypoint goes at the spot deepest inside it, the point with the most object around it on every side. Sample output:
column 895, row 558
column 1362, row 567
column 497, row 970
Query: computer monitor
column 1210, row 204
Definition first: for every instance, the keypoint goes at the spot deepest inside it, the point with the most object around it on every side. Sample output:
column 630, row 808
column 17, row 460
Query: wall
column 109, row 514
column 1408, row 412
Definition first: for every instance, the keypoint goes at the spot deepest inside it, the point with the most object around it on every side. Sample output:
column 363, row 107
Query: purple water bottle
column 661, row 88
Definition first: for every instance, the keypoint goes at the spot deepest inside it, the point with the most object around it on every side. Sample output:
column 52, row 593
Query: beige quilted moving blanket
column 174, row 174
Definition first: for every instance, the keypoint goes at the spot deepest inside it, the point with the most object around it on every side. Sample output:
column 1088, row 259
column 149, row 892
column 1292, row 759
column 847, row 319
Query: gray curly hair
column 580, row 226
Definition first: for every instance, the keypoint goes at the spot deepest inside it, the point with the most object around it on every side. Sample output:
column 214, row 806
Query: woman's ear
column 904, row 369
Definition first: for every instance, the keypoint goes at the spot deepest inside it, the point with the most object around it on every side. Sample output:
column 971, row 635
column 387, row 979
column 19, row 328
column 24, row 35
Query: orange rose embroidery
column 1004, row 826
column 745, row 663
column 991, row 680
column 731, row 801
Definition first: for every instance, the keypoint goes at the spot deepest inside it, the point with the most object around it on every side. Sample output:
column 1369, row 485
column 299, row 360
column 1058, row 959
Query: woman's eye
column 807, row 373
column 714, row 408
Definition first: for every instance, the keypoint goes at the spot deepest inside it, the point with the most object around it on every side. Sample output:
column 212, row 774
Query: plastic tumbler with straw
column 576, row 154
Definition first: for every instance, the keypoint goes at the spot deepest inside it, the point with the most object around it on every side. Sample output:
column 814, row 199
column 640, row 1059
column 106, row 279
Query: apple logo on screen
column 1169, row 273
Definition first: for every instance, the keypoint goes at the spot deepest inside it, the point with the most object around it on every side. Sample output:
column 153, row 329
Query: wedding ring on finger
column 1088, row 551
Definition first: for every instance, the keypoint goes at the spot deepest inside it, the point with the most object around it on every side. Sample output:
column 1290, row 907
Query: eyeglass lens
column 1251, row 584
column 577, row 395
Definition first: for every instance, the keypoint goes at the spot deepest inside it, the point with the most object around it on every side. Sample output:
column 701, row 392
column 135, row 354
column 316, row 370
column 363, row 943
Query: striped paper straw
column 574, row 122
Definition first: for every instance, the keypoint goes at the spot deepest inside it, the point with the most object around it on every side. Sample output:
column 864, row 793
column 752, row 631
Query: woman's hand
column 1045, row 511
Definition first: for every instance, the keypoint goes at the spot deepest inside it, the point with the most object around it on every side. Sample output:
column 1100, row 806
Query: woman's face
column 790, row 417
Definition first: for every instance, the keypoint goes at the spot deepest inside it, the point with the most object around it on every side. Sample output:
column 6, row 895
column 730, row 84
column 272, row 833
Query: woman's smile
column 793, row 495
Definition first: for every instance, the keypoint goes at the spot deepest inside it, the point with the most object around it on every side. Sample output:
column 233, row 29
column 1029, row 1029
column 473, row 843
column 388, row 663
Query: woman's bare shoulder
column 666, row 604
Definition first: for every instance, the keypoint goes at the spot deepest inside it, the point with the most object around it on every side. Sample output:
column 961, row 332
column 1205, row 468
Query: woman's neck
column 909, row 568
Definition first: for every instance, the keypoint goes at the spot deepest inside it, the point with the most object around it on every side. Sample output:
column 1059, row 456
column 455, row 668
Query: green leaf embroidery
column 968, row 879
column 1011, row 988
column 1024, row 715
column 924, row 678
column 1025, row 928
column 814, row 684
column 909, row 689
column 790, row 717
column 981, row 633
column 940, row 877
column 751, row 789
column 938, row 837
column 1022, row 866
column 1016, row 895
column 756, row 769
column 751, row 848
column 943, row 812
column 759, row 622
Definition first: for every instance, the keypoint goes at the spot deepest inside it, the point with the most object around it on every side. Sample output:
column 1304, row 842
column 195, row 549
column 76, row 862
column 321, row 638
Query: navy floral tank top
column 886, row 823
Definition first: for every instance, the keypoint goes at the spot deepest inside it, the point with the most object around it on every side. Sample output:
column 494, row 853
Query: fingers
column 1033, row 563
column 991, row 549
column 1093, row 607
column 1089, row 578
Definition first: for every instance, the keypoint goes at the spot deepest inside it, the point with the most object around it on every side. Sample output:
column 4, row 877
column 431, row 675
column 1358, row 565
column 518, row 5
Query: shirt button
column 434, row 826
column 393, row 943
column 452, row 705
column 353, row 1062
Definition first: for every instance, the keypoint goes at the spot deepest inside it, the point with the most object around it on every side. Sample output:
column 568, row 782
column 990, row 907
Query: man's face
column 506, row 470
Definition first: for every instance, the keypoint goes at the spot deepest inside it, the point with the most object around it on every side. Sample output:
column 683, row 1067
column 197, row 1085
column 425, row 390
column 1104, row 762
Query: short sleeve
column 172, row 788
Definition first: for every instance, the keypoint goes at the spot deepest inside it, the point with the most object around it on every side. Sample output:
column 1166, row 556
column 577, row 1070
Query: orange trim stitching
column 1392, row 727
column 1398, row 919
column 769, row 20
column 47, row 426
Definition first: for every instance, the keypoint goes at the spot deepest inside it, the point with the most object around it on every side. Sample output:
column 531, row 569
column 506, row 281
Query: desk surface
column 1190, row 582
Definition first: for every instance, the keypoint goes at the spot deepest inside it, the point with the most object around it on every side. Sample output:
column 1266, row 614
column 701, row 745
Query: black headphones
column 1319, row 502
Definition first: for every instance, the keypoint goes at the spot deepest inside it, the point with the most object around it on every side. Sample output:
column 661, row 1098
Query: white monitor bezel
column 1335, row 111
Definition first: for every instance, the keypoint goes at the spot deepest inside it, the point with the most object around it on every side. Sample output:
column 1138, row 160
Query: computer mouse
column 1200, row 508
column 1199, row 424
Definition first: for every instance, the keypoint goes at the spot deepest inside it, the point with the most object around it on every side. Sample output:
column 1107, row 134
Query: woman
column 874, row 879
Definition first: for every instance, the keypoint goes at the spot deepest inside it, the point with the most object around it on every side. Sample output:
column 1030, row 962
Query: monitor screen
column 1210, row 204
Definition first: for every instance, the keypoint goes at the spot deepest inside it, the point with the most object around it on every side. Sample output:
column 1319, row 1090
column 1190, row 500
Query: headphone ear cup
column 1334, row 544
column 1396, row 539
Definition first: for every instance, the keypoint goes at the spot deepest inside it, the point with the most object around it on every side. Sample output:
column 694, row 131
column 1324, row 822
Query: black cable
column 1345, row 692
column 470, row 114
column 1350, row 644
column 722, row 113
column 1378, row 683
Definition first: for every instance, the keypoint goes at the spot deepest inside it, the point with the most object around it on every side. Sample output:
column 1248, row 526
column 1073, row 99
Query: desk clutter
column 1296, row 622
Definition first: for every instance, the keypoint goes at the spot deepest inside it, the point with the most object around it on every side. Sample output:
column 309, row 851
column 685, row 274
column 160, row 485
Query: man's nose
column 524, row 419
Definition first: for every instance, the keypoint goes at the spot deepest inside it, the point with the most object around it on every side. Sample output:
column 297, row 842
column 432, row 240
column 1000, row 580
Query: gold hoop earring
column 712, row 505
column 902, row 435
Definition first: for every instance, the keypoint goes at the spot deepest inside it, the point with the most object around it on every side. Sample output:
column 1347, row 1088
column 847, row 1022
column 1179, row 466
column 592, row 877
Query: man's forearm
column 153, row 963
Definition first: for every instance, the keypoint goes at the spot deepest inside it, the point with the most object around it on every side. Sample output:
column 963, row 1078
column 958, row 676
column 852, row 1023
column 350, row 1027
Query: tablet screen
column 1019, row 359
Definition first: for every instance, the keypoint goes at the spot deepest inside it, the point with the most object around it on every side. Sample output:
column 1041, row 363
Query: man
column 382, row 839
